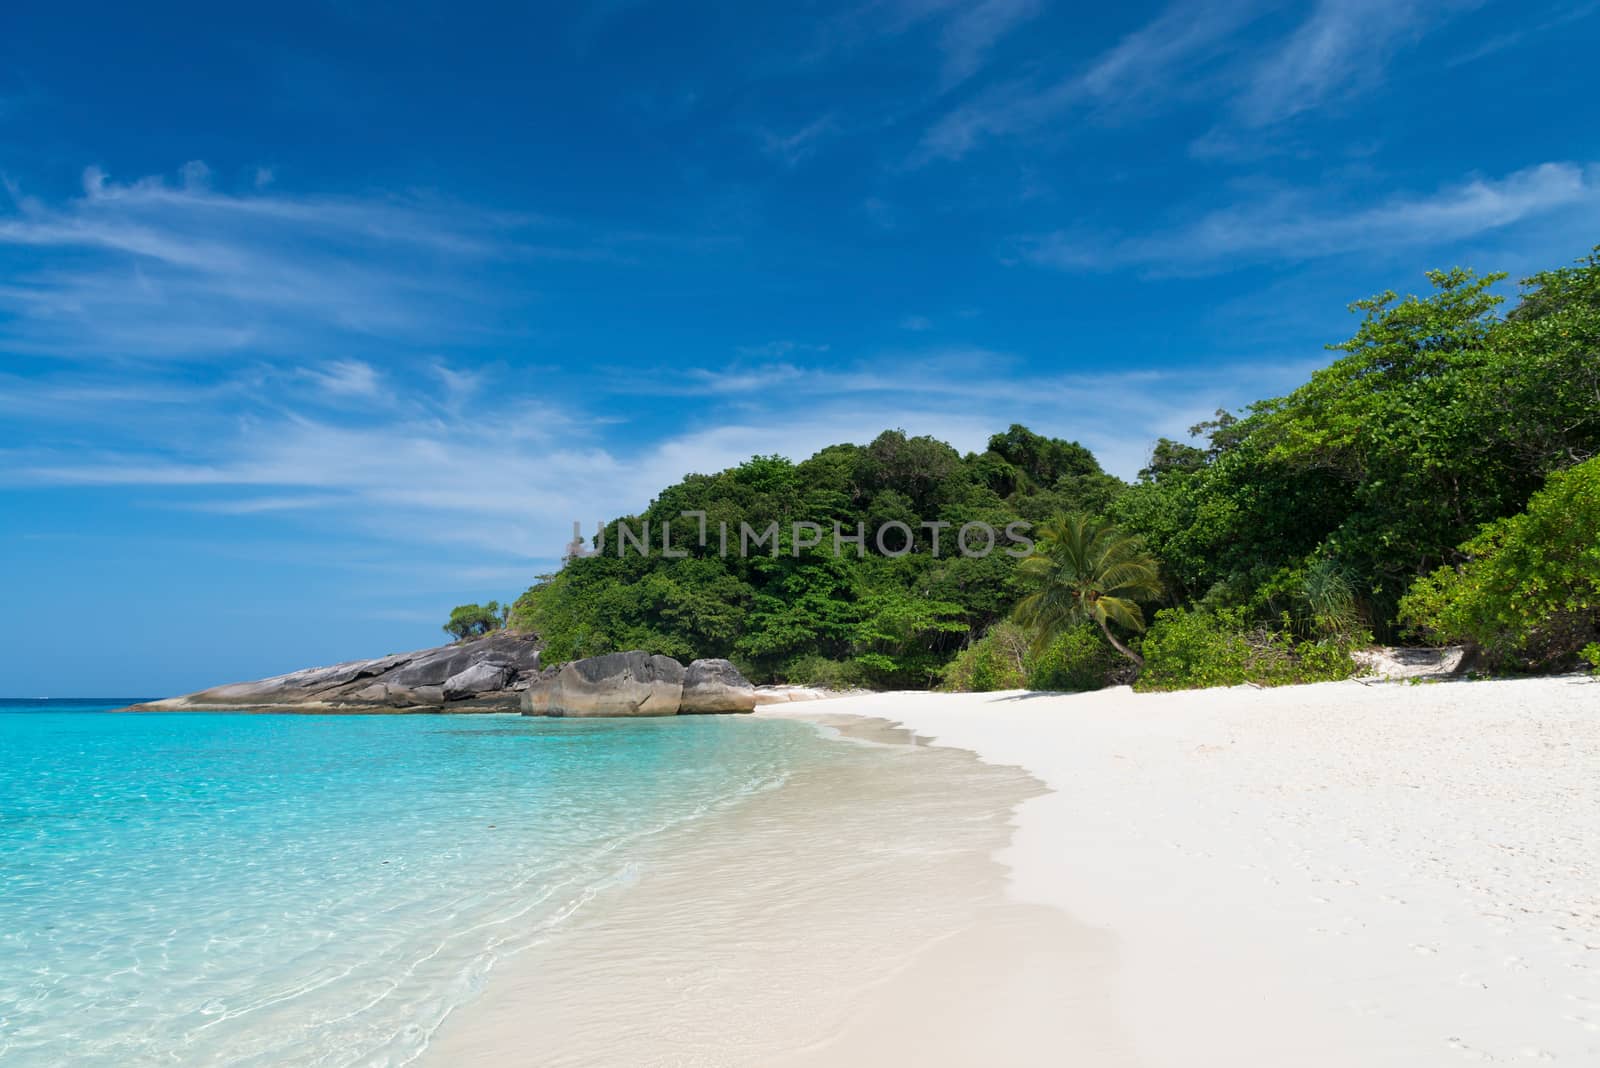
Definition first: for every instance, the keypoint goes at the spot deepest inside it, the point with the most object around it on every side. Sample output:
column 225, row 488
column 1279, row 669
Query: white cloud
column 780, row 348
column 500, row 485
column 346, row 378
column 1295, row 226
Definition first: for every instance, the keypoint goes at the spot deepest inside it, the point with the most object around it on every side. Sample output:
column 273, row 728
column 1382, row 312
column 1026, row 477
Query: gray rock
column 617, row 684
column 482, row 675
column 715, row 686
column 540, row 689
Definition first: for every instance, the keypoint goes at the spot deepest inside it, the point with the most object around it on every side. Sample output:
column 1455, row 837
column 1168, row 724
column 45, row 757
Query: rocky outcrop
column 616, row 684
column 482, row 675
column 715, row 686
column 485, row 676
column 637, row 684
column 499, row 673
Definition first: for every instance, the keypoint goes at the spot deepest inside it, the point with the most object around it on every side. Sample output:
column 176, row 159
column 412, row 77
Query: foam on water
column 253, row 890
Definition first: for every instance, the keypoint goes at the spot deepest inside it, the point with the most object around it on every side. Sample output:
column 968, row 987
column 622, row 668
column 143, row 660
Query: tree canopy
column 475, row 620
column 1303, row 520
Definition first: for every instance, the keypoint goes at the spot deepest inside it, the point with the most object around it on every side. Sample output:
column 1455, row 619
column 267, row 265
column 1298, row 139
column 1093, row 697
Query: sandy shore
column 1345, row 874
column 1342, row 874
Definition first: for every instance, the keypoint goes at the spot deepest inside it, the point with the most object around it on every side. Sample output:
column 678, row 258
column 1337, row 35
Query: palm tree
column 1084, row 569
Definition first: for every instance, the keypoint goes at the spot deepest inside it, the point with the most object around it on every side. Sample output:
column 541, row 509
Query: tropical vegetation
column 1435, row 482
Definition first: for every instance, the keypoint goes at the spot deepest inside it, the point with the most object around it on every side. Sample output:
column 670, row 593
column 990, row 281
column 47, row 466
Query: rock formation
column 616, row 684
column 498, row 673
column 637, row 684
column 715, row 686
column 482, row 675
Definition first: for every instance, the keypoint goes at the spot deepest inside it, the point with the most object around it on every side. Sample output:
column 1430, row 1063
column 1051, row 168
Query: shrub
column 1591, row 656
column 1186, row 649
column 997, row 661
column 1078, row 659
column 813, row 670
column 1190, row 650
column 1529, row 592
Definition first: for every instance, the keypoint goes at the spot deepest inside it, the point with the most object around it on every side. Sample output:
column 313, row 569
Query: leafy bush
column 997, row 661
column 1079, row 658
column 1189, row 650
column 1186, row 649
column 812, row 670
column 1529, row 593
column 1591, row 656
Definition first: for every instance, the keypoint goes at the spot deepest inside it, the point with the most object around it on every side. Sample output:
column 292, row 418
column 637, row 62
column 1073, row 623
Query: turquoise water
column 264, row 890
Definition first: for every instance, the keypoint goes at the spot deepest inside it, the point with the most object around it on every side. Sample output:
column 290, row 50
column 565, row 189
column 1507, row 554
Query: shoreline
column 854, row 916
column 1343, row 873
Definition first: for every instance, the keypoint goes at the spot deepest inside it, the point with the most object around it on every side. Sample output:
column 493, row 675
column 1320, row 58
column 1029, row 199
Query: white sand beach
column 1343, row 874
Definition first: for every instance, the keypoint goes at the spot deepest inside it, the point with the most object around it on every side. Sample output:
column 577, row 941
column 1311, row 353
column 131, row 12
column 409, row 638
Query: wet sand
column 854, row 916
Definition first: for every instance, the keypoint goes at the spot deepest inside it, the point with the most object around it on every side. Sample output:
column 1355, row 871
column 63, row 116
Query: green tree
column 1087, row 570
column 475, row 620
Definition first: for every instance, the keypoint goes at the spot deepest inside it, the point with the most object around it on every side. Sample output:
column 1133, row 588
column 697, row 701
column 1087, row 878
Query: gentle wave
column 253, row 890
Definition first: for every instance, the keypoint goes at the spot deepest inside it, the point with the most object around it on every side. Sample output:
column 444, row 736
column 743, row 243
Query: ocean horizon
column 68, row 704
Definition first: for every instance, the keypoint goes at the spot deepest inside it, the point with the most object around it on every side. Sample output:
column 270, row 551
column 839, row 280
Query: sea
column 228, row 889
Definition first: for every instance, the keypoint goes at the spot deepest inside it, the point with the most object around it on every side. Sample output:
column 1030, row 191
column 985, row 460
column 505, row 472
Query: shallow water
column 253, row 890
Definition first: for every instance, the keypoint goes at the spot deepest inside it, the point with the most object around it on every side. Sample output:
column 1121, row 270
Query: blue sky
column 315, row 323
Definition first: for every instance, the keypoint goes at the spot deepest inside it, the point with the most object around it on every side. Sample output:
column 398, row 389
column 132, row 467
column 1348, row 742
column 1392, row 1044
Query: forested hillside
column 1285, row 536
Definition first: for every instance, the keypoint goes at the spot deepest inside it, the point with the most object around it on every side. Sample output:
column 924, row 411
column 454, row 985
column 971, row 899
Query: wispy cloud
column 1514, row 37
column 1140, row 68
column 963, row 33
column 972, row 32
column 1342, row 47
column 1295, row 225
column 346, row 378
column 157, row 268
column 411, row 475
column 768, row 350
column 964, row 394
column 1193, row 52
column 794, row 148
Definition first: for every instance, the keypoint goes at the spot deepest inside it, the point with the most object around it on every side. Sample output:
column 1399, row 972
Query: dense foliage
column 1282, row 537
column 1528, row 593
column 806, row 614
column 1439, row 417
column 1190, row 649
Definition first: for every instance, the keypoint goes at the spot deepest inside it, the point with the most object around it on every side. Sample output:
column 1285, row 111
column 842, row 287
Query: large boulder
column 482, row 677
column 616, row 684
column 715, row 686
